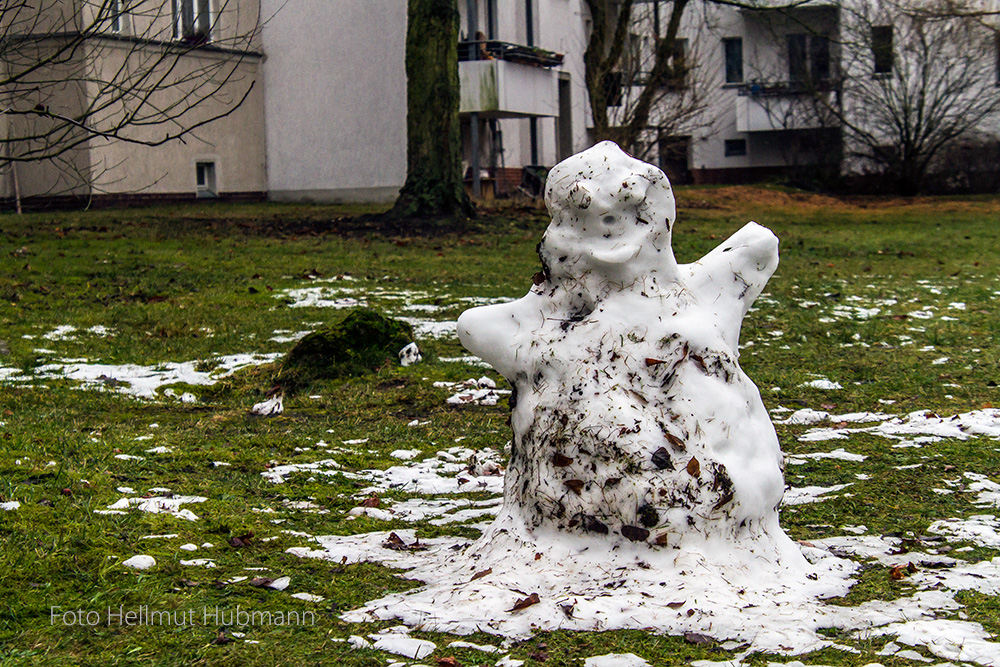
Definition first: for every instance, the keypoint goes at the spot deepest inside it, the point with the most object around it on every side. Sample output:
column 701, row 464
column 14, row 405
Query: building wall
column 181, row 86
column 335, row 99
column 234, row 144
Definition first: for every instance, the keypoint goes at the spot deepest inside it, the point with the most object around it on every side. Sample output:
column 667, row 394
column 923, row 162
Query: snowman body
column 632, row 418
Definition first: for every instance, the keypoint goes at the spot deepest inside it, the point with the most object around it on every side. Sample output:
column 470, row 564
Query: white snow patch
column 400, row 644
column 272, row 406
column 838, row 454
column 822, row 383
column 810, row 494
column 156, row 505
column 145, row 381
column 140, row 562
column 615, row 660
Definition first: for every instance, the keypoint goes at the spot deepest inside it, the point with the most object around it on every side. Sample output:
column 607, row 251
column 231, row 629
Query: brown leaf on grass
column 221, row 639
column 693, row 467
column 238, row 542
column 697, row 639
column 575, row 484
column 260, row 582
column 525, row 602
column 448, row 662
column 901, row 571
column 371, row 501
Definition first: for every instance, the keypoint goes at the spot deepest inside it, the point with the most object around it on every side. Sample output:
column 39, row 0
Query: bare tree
column 643, row 76
column 74, row 73
column 917, row 76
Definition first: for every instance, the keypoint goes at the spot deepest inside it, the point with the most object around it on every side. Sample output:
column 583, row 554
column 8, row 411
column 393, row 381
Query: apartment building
column 750, row 93
column 336, row 93
column 131, row 102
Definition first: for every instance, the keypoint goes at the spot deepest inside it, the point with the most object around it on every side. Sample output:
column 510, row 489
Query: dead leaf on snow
column 694, row 467
column 524, row 603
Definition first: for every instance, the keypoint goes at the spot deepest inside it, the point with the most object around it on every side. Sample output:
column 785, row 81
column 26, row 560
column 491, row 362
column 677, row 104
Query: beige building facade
column 163, row 101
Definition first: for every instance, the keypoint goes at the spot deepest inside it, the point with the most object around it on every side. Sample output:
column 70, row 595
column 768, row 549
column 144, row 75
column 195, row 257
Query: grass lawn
column 892, row 301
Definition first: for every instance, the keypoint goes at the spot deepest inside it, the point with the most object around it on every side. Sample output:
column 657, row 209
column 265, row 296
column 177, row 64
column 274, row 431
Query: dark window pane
column 736, row 147
column 819, row 57
column 733, row 49
column 882, row 48
column 613, row 82
column 797, row 69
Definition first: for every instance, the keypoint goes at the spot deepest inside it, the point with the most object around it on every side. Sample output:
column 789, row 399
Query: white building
column 751, row 93
column 336, row 92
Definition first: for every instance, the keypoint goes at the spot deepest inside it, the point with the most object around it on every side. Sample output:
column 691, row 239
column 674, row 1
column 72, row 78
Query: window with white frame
column 193, row 21
column 205, row 180
column 113, row 15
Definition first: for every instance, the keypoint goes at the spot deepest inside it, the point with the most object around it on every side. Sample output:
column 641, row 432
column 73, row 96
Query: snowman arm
column 734, row 274
column 498, row 333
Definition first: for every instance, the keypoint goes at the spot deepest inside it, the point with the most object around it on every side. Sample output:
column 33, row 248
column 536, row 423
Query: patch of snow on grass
column 810, row 494
column 145, row 381
column 822, row 383
column 156, row 505
column 615, row 660
column 838, row 454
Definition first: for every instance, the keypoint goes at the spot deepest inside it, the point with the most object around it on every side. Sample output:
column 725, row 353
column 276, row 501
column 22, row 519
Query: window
column 819, row 57
column 205, row 179
column 192, row 21
column 996, row 56
column 798, row 67
column 808, row 58
column 733, row 50
column 882, row 48
column 735, row 147
column 612, row 83
column 116, row 14
column 675, row 77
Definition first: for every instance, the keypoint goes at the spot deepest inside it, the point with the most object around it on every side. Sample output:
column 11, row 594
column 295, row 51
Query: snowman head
column 611, row 214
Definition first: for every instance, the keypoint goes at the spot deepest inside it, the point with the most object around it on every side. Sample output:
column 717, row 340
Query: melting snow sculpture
column 632, row 418
column 645, row 474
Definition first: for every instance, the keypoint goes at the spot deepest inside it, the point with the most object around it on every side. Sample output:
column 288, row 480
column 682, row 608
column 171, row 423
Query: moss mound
column 359, row 343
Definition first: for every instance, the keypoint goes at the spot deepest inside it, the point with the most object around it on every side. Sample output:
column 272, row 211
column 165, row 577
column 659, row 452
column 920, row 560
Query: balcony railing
column 494, row 50
column 783, row 88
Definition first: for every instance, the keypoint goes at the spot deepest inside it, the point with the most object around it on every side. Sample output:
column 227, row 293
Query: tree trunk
column 433, row 187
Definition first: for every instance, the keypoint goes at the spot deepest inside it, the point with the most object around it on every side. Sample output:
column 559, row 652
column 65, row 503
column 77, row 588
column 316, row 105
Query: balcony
column 786, row 105
column 502, row 80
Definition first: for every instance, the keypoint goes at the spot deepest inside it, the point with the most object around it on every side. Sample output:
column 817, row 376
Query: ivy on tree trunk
column 433, row 187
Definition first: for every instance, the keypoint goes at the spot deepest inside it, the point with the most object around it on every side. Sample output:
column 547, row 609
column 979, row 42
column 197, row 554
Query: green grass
column 185, row 284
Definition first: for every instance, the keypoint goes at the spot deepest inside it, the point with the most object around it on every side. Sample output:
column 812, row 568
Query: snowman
column 632, row 419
